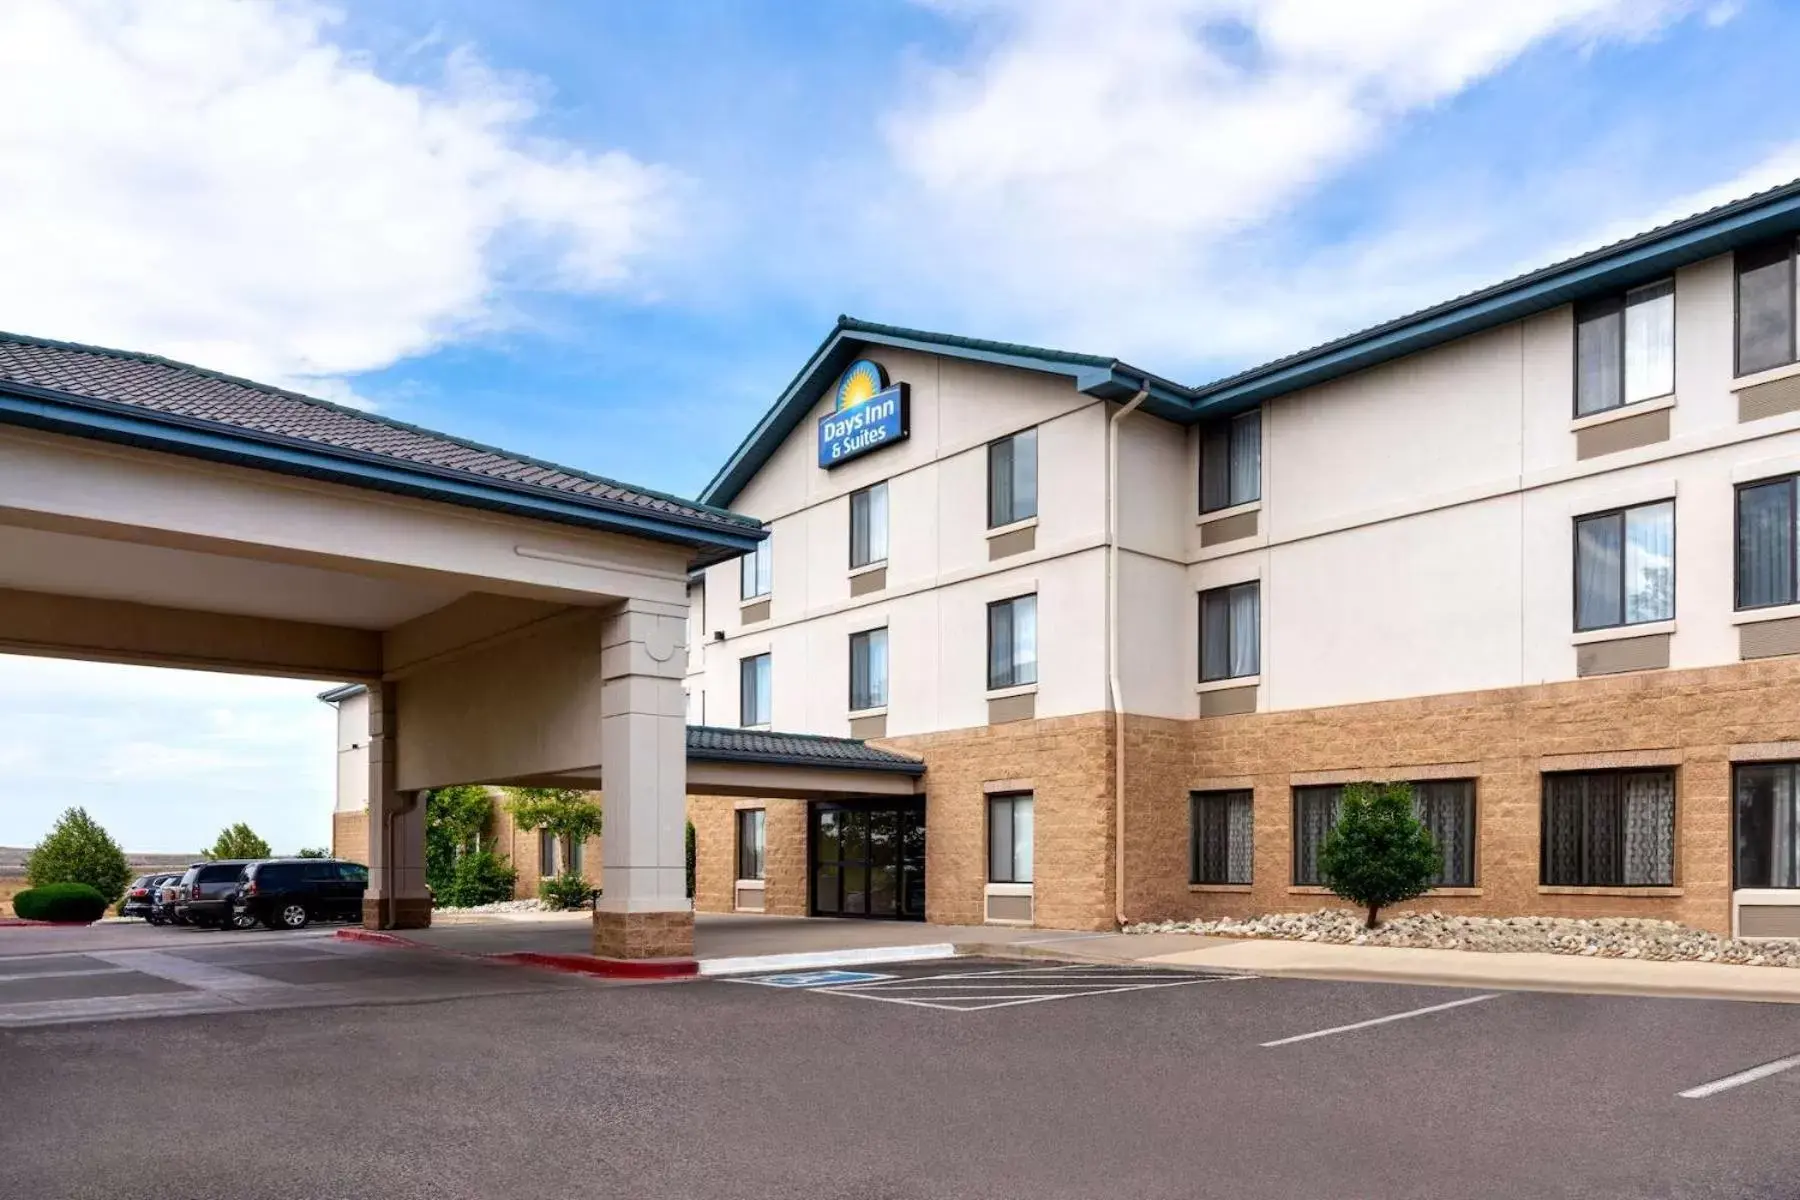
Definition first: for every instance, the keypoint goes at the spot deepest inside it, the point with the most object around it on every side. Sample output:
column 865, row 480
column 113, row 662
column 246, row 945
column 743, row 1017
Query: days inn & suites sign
column 868, row 413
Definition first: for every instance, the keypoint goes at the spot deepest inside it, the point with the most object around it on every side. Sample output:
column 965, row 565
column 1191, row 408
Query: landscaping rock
column 1597, row 937
column 500, row 906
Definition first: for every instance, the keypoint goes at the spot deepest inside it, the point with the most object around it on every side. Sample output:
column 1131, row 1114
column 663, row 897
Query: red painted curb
column 609, row 968
column 380, row 939
column 22, row 923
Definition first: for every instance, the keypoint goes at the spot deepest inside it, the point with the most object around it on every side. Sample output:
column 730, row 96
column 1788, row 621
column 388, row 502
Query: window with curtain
column 1012, row 642
column 1315, row 812
column 1446, row 807
column 1219, row 836
column 1231, row 462
column 1765, row 306
column 1609, row 829
column 1009, row 838
column 1766, row 515
column 750, row 845
column 1230, row 632
column 869, row 525
column 1765, row 825
column 753, row 690
column 757, row 570
column 1012, row 479
column 868, row 669
column 1625, row 348
column 1625, row 566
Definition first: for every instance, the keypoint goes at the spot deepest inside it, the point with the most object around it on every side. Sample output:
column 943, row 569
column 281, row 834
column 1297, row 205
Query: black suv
column 289, row 893
column 140, row 896
column 208, row 891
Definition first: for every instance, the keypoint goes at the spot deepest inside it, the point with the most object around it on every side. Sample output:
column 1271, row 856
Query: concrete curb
column 812, row 960
column 1497, row 981
column 575, row 964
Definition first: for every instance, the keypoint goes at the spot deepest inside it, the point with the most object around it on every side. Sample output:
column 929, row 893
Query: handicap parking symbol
column 816, row 979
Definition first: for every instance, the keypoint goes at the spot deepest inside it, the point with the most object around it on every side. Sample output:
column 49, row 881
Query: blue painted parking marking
column 816, row 979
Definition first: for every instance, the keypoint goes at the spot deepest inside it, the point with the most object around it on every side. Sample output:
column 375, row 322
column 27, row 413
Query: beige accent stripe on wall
column 1615, row 760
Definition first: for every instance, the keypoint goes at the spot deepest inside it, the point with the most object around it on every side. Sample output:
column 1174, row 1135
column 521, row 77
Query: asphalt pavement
column 989, row 1079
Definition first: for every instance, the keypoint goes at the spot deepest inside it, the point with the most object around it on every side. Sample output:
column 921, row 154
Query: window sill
column 1772, row 612
column 1624, row 412
column 1641, row 893
column 1452, row 892
column 754, row 600
column 877, row 565
column 1235, row 889
column 857, row 714
column 1768, row 375
column 1225, row 685
column 763, row 728
column 1225, row 514
column 1024, row 689
column 1620, row 632
column 1309, row 890
column 1007, row 889
column 1012, row 527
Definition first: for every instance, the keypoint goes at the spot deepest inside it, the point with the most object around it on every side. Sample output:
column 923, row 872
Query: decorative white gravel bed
column 1600, row 937
column 500, row 906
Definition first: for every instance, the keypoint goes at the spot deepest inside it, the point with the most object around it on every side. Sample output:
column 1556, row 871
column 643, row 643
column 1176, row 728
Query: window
column 868, row 670
column 1625, row 348
column 1765, row 306
column 576, row 859
column 547, row 853
column 758, row 570
column 1766, row 514
column 1012, row 479
column 1012, row 642
column 869, row 526
column 1609, row 829
column 1625, row 566
column 1009, row 838
column 1765, row 825
column 1220, row 837
column 1446, row 807
column 750, row 843
column 1230, row 620
column 753, row 691
column 1231, row 462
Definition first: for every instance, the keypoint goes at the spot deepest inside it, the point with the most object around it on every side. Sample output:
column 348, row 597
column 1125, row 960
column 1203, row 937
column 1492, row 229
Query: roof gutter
column 1115, row 688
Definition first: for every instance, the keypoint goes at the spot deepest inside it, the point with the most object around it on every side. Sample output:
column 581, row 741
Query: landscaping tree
column 567, row 813
column 691, row 859
column 479, row 877
column 456, row 821
column 77, row 850
column 238, row 841
column 313, row 852
column 1378, row 853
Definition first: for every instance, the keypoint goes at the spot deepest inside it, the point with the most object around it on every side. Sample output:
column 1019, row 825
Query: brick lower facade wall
column 715, row 857
column 350, row 835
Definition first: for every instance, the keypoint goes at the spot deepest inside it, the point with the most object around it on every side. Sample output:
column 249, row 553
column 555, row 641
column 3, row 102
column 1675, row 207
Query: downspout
column 1115, row 690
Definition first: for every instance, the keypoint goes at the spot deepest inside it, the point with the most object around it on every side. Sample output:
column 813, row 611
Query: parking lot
column 977, row 1078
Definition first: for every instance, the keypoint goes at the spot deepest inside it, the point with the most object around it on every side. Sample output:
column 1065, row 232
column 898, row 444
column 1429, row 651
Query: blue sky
column 607, row 234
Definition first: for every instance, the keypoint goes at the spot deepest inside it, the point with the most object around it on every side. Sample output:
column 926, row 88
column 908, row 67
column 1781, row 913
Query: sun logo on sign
column 861, row 383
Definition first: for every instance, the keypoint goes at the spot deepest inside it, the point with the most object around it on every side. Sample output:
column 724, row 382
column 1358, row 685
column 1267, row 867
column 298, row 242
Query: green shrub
column 77, row 850
column 690, row 860
column 60, row 902
column 568, row 890
column 479, row 877
column 456, row 821
column 1379, row 853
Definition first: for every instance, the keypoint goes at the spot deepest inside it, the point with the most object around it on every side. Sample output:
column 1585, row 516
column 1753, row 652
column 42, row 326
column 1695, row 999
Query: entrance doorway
column 867, row 859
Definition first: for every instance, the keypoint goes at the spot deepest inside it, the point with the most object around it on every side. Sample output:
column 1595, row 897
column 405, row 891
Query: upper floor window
column 868, row 669
column 1231, row 462
column 1625, row 566
column 1766, row 513
column 1230, row 632
column 1765, row 306
column 1012, row 479
column 758, row 569
column 753, row 691
column 1609, row 829
column 1625, row 348
column 1766, row 825
column 1012, row 642
column 869, row 525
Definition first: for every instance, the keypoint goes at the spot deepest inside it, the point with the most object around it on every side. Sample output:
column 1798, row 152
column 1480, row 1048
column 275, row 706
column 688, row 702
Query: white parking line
column 1399, row 1016
column 1740, row 1079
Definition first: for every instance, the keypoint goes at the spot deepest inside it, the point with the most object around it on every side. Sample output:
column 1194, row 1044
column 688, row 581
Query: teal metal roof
column 1636, row 259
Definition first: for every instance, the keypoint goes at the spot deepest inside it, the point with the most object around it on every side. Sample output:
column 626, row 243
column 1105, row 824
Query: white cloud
column 1100, row 173
column 223, row 184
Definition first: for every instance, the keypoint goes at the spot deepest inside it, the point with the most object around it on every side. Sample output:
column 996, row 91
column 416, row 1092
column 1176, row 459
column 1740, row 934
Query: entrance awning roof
column 711, row 743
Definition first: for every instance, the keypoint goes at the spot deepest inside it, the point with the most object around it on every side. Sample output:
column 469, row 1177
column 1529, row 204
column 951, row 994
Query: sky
column 608, row 234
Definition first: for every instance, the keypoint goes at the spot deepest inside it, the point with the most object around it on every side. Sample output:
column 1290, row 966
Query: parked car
column 167, row 897
column 291, row 893
column 209, row 893
column 142, row 898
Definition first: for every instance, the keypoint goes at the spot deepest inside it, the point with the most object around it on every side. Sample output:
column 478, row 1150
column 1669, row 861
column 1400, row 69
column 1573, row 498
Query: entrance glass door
column 868, row 859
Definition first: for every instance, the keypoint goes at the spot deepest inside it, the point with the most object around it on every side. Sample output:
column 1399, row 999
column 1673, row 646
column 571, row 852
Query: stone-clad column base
column 644, row 934
column 396, row 912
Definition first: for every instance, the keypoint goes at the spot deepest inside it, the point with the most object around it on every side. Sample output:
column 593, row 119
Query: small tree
column 238, row 841
column 456, row 821
column 1378, row 853
column 567, row 813
column 312, row 852
column 692, row 857
column 77, row 850
column 479, row 877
